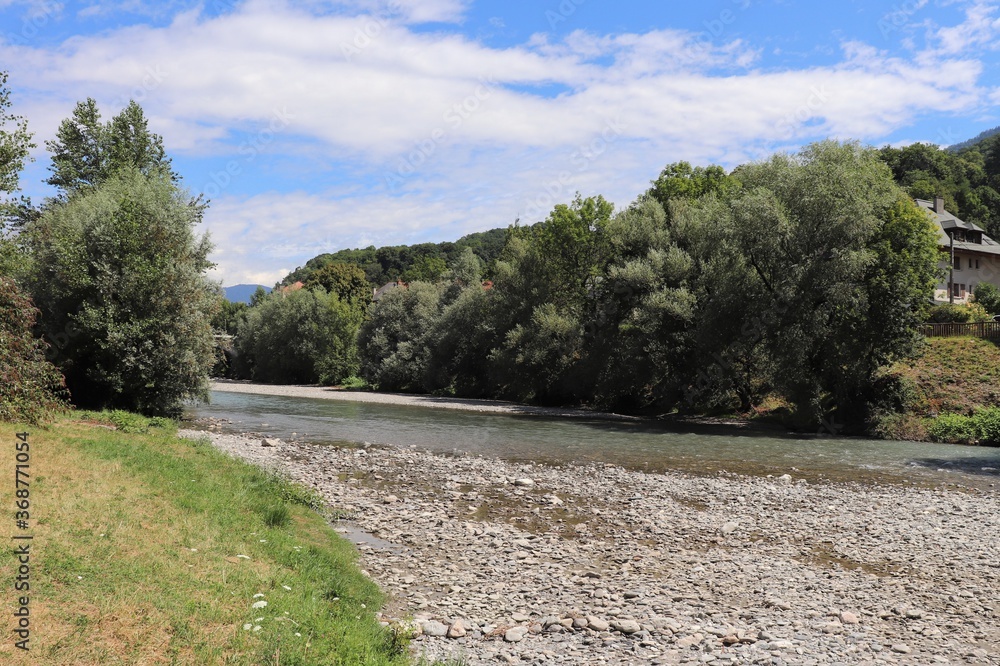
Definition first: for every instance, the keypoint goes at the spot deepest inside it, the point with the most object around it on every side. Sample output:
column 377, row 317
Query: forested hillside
column 425, row 261
column 969, row 180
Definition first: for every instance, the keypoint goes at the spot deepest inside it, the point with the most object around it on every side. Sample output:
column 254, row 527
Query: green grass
column 137, row 557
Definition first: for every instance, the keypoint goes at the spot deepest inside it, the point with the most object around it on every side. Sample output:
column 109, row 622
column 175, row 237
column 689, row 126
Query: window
column 958, row 263
column 970, row 262
column 962, row 287
column 954, row 290
column 977, row 263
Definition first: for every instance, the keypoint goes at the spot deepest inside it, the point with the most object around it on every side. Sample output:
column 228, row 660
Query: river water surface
column 635, row 445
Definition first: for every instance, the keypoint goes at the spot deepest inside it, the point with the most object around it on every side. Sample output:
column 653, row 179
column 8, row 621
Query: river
column 634, row 445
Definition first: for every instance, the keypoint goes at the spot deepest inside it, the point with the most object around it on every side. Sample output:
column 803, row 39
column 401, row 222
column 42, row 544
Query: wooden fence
column 980, row 329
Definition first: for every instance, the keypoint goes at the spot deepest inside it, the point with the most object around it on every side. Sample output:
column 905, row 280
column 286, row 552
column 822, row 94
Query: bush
column 949, row 314
column 953, row 429
column 354, row 383
column 988, row 296
column 987, row 422
column 31, row 389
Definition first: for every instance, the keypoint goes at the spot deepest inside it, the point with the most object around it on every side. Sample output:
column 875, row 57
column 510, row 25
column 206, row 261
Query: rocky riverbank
column 497, row 562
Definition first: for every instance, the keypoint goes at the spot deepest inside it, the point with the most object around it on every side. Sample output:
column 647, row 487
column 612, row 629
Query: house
column 969, row 256
column 388, row 286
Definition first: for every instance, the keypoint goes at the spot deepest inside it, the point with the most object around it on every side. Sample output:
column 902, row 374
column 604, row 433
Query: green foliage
column 953, row 429
column 426, row 269
column 354, row 383
column 228, row 316
column 392, row 343
column 346, row 281
column 128, row 422
column 956, row 313
column 407, row 262
column 15, row 147
column 966, row 179
column 119, row 276
column 949, row 313
column 987, row 422
column 988, row 296
column 680, row 182
column 827, row 267
column 31, row 388
column 299, row 337
column 86, row 152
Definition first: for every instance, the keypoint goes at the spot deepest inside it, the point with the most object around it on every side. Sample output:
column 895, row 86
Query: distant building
column 386, row 288
column 969, row 256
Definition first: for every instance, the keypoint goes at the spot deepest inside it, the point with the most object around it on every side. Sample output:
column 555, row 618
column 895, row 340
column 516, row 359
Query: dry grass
column 957, row 375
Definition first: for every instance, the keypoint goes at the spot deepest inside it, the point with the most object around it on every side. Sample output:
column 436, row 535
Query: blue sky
column 319, row 125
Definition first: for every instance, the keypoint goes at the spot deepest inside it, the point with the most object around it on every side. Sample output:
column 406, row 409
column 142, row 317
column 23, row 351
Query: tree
column 347, row 281
column 15, row 146
column 119, row 276
column 86, row 152
column 299, row 337
column 837, row 263
column 394, row 342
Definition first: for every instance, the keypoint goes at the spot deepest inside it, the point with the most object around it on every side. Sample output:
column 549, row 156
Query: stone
column 729, row 527
column 268, row 441
column 519, row 617
column 847, row 617
column 785, row 479
column 689, row 641
column 596, row 623
column 457, row 629
column 524, row 483
column 515, row 634
column 626, row 626
column 901, row 648
column 434, row 628
column 580, row 623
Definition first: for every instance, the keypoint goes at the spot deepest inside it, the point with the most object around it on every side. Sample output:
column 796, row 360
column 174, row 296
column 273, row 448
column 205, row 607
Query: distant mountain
column 241, row 293
column 957, row 147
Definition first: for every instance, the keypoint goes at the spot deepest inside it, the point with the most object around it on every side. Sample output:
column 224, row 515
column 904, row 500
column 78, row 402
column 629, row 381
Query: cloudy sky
column 320, row 125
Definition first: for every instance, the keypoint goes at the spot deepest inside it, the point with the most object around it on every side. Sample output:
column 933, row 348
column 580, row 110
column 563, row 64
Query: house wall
column 988, row 270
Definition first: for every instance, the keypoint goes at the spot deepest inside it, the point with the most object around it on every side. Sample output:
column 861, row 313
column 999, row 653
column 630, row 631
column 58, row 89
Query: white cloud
column 980, row 28
column 457, row 127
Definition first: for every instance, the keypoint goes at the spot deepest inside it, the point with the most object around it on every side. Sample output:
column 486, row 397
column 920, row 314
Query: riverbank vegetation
column 789, row 287
column 159, row 549
column 949, row 392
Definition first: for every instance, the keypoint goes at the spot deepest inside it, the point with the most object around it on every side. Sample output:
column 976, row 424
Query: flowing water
column 636, row 445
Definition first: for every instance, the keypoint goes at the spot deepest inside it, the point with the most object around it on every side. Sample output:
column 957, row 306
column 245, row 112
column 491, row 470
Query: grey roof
column 946, row 221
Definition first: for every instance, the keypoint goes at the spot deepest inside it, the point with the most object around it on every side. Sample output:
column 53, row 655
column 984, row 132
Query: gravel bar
column 498, row 562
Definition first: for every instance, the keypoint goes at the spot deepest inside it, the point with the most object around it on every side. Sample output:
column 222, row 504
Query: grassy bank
column 951, row 376
column 150, row 549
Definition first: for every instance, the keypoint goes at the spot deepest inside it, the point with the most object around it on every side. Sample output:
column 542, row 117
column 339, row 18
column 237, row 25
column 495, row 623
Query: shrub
column 949, row 314
column 953, row 429
column 988, row 296
column 31, row 388
column 987, row 422
column 354, row 383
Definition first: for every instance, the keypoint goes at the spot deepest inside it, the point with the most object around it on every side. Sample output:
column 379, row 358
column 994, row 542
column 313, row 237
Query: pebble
column 515, row 634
